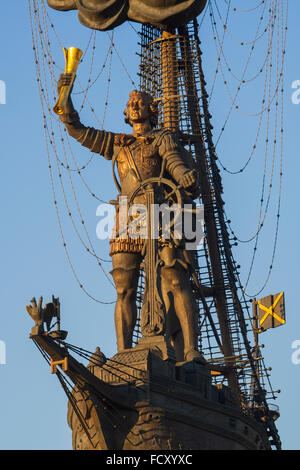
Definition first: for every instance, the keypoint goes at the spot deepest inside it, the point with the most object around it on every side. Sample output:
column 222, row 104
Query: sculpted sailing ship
column 170, row 384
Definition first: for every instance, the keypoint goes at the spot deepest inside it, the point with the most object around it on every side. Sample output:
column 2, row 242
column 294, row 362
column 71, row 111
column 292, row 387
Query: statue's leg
column 176, row 286
column 125, row 274
column 173, row 327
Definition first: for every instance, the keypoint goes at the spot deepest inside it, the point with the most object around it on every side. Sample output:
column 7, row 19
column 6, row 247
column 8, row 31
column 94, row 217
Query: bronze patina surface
column 140, row 157
column 102, row 15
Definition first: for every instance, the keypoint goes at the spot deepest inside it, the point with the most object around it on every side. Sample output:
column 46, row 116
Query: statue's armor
column 148, row 152
column 146, row 157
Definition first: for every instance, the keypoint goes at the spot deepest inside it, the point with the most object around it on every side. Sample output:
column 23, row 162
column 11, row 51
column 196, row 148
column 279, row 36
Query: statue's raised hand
column 65, row 79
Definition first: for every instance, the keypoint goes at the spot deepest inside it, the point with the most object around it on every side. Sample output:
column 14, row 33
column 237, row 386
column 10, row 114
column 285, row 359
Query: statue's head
column 140, row 107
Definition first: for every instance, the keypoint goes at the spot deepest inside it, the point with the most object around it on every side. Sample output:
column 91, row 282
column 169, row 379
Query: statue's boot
column 192, row 354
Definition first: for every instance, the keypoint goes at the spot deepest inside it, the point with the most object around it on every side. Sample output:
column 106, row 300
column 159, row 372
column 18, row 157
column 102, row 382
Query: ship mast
column 171, row 107
column 171, row 70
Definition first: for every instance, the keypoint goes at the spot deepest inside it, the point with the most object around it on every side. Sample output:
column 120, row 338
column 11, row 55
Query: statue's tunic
column 148, row 151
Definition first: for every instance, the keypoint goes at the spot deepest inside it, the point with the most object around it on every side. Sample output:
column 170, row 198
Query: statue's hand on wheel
column 189, row 179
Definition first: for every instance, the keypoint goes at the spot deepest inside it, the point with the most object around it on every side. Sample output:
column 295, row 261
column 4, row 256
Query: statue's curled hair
column 148, row 99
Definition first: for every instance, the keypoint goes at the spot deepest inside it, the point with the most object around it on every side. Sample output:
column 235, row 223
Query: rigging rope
column 42, row 52
column 267, row 103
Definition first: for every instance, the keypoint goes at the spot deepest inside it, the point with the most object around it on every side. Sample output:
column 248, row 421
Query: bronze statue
column 139, row 157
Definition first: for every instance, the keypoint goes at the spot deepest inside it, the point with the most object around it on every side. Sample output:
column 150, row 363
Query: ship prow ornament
column 161, row 391
column 44, row 316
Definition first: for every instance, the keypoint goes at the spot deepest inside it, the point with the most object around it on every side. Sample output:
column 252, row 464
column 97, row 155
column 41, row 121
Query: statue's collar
column 123, row 140
column 145, row 139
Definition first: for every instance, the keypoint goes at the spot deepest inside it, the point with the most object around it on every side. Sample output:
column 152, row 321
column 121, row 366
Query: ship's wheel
column 161, row 195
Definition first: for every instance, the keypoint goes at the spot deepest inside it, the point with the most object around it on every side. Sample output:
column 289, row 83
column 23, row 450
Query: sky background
column 33, row 260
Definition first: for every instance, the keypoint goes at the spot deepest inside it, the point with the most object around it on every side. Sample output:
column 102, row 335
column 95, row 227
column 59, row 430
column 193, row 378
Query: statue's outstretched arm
column 95, row 140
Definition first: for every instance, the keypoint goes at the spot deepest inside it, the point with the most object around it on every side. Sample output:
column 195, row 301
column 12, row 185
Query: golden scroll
column 72, row 59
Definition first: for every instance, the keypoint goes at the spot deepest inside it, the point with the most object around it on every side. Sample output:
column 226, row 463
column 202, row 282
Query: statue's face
column 138, row 109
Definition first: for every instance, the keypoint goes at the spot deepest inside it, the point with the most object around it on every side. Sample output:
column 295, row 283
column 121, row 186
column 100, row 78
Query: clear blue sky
column 33, row 262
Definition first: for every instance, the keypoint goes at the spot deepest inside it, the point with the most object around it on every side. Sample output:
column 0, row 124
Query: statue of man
column 149, row 149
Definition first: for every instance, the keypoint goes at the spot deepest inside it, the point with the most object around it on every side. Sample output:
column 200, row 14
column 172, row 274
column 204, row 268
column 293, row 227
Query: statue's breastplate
column 146, row 160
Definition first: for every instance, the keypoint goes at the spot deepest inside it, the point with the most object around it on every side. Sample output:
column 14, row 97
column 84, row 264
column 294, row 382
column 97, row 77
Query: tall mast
column 171, row 70
column 177, row 67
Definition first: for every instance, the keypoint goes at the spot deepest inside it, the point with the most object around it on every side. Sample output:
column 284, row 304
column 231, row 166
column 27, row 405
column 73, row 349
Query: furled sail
column 107, row 14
